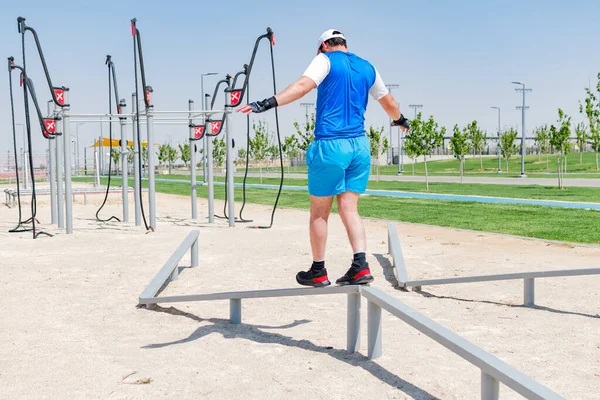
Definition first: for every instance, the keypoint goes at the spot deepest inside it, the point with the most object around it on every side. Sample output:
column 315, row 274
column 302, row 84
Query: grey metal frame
column 493, row 370
column 395, row 250
column 170, row 270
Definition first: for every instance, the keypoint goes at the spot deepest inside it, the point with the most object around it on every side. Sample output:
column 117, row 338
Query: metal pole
column 390, row 87
column 52, row 144
column 353, row 322
column 204, row 139
column 193, row 165
column 59, row 182
column 124, row 172
column 529, row 292
column 523, row 135
column 229, row 160
column 67, row 156
column 150, row 147
column 375, row 349
column 490, row 387
column 498, row 146
column 136, row 160
column 209, row 168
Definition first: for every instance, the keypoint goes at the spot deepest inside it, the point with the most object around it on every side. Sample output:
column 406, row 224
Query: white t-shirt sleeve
column 378, row 90
column 318, row 69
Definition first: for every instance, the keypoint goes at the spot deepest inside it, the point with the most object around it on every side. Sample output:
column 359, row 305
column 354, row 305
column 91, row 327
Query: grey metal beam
column 353, row 323
column 488, row 363
column 166, row 272
column 251, row 294
column 396, row 251
column 504, row 277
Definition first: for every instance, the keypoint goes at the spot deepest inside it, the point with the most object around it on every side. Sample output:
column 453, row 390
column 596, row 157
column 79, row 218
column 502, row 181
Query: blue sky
column 457, row 58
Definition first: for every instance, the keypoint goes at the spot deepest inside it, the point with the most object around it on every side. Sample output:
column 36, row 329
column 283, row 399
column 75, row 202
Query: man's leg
column 316, row 276
column 348, row 210
column 357, row 177
column 320, row 208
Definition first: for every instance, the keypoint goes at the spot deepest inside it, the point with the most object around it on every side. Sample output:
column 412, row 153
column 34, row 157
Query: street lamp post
column 77, row 140
column 306, row 106
column 498, row 144
column 522, row 108
column 390, row 87
column 204, row 159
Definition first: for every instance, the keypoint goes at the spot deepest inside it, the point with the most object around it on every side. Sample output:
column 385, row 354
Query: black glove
column 402, row 121
column 262, row 106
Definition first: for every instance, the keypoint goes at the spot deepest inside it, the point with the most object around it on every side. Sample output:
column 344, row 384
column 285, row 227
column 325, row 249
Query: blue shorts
column 338, row 165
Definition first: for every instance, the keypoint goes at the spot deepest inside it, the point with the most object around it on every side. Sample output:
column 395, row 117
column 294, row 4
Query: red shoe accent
column 320, row 280
column 362, row 273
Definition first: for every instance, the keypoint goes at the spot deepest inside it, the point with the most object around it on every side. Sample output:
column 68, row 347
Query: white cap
column 329, row 34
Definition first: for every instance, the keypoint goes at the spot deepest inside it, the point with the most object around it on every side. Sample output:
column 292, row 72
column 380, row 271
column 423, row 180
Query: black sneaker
column 313, row 278
column 356, row 275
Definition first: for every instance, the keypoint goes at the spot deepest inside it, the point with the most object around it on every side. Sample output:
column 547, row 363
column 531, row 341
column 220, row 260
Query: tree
column 460, row 145
column 478, row 140
column 241, row 155
column 273, row 150
column 379, row 145
column 424, row 137
column 307, row 134
column 115, row 154
column 559, row 139
column 172, row 156
column 218, row 151
column 507, row 145
column 185, row 153
column 290, row 148
column 592, row 111
column 162, row 153
column 145, row 157
column 130, row 154
column 542, row 140
column 259, row 144
column 582, row 139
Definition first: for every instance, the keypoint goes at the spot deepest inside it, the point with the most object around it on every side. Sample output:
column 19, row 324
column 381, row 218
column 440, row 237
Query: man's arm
column 295, row 91
column 390, row 106
column 312, row 77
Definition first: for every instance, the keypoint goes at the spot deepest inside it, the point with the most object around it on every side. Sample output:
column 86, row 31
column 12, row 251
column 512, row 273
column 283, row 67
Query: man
column 339, row 159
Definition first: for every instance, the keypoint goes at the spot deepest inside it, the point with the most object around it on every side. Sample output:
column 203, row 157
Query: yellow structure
column 115, row 143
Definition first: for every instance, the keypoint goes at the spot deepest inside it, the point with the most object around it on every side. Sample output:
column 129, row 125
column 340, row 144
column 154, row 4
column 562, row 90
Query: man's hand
column 259, row 106
column 402, row 122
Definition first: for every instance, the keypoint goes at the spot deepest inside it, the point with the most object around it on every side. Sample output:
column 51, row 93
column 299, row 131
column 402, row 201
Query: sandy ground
column 71, row 327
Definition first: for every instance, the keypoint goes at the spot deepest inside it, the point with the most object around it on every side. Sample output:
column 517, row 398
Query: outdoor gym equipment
column 395, row 250
column 493, row 370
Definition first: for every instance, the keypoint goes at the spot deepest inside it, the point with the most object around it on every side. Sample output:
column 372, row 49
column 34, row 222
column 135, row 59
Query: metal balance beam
column 528, row 277
column 493, row 370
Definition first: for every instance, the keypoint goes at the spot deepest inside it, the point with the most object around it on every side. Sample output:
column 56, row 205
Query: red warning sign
column 50, row 125
column 60, row 95
column 198, row 132
column 215, row 127
column 148, row 97
column 235, row 97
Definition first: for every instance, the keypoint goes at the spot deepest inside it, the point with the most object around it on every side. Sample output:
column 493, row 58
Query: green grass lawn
column 535, row 166
column 581, row 194
column 571, row 225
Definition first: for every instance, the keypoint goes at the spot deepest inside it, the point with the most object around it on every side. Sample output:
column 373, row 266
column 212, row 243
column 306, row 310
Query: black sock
column 318, row 265
column 360, row 259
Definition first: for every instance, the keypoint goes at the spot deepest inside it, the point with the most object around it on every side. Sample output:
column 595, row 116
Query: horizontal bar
column 485, row 361
column 70, row 115
column 187, row 112
column 165, row 272
column 252, row 294
column 504, row 277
